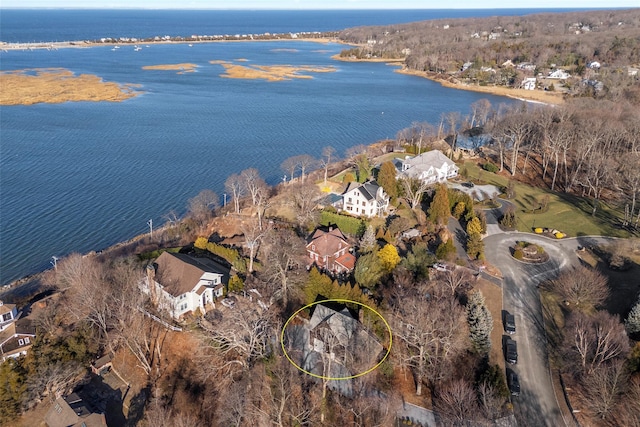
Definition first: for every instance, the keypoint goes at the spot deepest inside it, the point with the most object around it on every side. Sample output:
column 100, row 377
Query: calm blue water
column 76, row 177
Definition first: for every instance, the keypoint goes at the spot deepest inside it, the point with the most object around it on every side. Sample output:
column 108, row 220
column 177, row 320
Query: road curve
column 537, row 404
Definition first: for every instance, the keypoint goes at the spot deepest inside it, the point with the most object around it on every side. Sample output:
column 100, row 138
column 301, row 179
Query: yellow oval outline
column 336, row 378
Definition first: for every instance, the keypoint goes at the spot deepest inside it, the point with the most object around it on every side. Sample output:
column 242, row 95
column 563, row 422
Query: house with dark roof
column 181, row 284
column 72, row 411
column 333, row 343
column 330, row 250
column 368, row 199
column 429, row 167
column 16, row 335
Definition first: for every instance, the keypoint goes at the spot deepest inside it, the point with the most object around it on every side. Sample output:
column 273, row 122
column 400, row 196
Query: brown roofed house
column 180, row 283
column 72, row 411
column 330, row 250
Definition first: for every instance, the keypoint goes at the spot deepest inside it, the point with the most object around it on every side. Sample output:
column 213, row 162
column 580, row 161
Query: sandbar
column 270, row 73
column 181, row 68
column 57, row 85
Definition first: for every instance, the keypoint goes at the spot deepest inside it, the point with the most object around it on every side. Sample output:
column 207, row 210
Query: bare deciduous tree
column 252, row 182
column 456, row 402
column 234, row 186
column 582, row 288
column 201, row 206
column 282, row 258
column 413, row 189
column 595, row 340
column 304, row 199
column 602, row 389
column 328, row 154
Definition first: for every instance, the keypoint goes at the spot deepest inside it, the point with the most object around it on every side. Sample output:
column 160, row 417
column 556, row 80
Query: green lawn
column 567, row 213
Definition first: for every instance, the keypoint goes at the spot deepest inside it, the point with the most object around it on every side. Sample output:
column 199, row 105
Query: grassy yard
column 567, row 213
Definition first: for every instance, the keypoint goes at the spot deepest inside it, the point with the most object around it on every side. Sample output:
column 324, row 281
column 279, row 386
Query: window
column 364, row 203
column 183, row 307
column 20, row 341
column 349, row 200
column 58, row 408
column 349, row 208
column 26, row 340
column 6, row 317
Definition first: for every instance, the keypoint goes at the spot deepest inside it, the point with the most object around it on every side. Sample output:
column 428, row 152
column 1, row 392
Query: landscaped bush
column 538, row 230
column 559, row 235
column 518, row 254
column 490, row 167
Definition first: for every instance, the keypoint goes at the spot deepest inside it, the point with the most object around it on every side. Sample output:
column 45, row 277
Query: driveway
column 537, row 404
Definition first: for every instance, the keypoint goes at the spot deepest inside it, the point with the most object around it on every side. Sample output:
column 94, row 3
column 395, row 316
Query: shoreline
column 80, row 44
column 535, row 96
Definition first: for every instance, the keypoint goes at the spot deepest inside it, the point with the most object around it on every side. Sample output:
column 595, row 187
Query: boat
column 137, row 48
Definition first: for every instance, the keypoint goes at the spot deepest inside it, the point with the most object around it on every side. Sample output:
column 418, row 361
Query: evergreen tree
column 387, row 179
column 633, row 320
column 368, row 271
column 474, row 226
column 446, row 250
column 458, row 210
column 368, row 243
column 480, row 323
column 439, row 209
column 475, row 246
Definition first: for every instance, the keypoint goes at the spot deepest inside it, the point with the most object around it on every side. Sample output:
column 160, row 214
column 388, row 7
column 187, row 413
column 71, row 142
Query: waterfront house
column 329, row 249
column 430, row 167
column 72, row 411
column 368, row 199
column 529, row 83
column 559, row 74
column 181, row 284
column 16, row 335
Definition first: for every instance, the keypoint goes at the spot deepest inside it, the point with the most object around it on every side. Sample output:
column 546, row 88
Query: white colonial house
column 181, row 284
column 368, row 199
column 429, row 167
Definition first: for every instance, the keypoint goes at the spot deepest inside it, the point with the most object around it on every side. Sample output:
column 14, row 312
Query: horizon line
column 310, row 9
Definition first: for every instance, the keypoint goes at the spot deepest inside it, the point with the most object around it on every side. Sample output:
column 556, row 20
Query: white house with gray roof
column 429, row 167
column 368, row 199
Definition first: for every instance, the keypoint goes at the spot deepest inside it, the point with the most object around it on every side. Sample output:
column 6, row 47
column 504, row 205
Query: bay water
column 81, row 176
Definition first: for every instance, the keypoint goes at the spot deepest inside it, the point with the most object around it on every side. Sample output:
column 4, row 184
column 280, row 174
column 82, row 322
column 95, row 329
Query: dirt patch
column 56, row 85
column 404, row 383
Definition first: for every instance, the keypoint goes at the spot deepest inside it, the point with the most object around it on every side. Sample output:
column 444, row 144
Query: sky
column 316, row 4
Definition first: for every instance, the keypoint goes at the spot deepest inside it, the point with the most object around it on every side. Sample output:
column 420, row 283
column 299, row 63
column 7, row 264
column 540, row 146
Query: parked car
column 511, row 351
column 513, row 382
column 509, row 323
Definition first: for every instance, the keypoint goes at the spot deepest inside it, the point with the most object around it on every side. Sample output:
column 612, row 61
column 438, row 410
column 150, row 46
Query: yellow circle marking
column 336, row 378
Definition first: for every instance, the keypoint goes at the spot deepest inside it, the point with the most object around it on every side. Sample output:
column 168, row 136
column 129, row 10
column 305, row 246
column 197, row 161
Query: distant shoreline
column 536, row 96
column 323, row 38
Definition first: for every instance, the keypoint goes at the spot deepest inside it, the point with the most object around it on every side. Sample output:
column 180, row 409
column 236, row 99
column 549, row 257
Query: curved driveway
column 536, row 405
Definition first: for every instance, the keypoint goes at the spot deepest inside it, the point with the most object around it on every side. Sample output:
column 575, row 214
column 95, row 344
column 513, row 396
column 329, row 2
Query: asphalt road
column 536, row 405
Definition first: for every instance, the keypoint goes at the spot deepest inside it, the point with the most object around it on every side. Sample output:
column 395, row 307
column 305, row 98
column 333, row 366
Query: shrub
column 538, row 230
column 490, row 167
column 201, row 243
column 559, row 235
column 518, row 254
column 348, row 177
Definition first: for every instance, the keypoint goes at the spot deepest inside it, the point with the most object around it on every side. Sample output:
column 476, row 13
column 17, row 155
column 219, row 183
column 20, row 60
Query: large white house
column 368, row 199
column 180, row 284
column 429, row 167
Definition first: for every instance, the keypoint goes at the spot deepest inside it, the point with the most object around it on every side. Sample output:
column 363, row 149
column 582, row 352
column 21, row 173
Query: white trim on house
column 429, row 167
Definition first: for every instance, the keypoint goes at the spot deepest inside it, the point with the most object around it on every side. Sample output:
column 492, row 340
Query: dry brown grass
column 270, row 73
column 493, row 298
column 185, row 67
column 56, row 85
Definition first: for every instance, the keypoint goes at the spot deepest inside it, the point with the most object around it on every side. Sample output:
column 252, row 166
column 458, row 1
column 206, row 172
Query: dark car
column 511, row 351
column 513, row 382
column 509, row 323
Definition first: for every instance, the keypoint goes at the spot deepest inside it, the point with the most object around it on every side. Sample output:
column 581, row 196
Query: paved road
column 536, row 405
